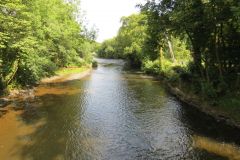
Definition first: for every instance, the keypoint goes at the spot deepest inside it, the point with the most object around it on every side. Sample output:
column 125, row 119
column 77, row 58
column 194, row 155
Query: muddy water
column 111, row 114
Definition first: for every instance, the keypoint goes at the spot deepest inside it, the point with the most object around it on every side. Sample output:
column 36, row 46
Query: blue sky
column 106, row 14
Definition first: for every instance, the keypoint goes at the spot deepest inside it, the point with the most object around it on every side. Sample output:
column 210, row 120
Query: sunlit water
column 112, row 114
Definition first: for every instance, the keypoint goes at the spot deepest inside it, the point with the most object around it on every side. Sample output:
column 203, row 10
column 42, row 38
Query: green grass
column 71, row 70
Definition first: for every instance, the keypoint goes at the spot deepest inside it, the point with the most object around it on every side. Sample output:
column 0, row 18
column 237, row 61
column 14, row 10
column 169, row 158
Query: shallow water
column 111, row 114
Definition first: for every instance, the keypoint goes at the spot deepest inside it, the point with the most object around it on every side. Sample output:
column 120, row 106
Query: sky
column 106, row 15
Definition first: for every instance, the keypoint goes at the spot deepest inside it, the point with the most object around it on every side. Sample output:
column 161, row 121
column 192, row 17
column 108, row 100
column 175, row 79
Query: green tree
column 131, row 37
column 129, row 41
column 39, row 36
column 15, row 34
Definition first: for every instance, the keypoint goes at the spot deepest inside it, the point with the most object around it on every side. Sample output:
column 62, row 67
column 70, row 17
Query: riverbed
column 112, row 114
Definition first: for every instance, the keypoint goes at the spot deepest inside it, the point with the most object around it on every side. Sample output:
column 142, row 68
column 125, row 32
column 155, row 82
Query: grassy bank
column 71, row 70
column 67, row 74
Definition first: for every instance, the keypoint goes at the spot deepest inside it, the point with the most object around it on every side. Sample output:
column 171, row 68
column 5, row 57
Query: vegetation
column 129, row 41
column 107, row 49
column 73, row 70
column 39, row 36
column 212, row 36
column 194, row 44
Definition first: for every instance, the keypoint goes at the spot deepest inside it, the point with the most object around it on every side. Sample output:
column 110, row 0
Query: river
column 112, row 114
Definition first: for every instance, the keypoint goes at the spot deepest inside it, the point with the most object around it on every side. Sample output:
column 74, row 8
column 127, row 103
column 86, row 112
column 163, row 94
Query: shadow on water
column 167, row 124
column 209, row 136
column 60, row 135
column 207, row 126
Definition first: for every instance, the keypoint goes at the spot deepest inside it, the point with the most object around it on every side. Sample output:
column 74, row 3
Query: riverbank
column 229, row 116
column 227, row 113
column 67, row 74
column 62, row 75
column 221, row 101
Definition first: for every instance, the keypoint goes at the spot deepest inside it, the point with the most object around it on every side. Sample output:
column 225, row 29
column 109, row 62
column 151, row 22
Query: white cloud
column 106, row 14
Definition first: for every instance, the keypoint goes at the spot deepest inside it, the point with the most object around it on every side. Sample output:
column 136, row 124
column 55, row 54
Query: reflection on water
column 111, row 114
column 14, row 135
column 227, row 150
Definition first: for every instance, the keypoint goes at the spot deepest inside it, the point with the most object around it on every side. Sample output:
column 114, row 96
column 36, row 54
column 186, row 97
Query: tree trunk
column 2, row 86
column 171, row 49
column 160, row 57
column 197, row 59
column 7, row 80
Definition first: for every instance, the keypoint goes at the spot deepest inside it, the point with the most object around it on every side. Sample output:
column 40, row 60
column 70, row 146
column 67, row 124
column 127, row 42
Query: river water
column 112, row 114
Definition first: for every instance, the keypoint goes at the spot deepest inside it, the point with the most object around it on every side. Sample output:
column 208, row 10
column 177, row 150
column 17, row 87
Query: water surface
column 112, row 114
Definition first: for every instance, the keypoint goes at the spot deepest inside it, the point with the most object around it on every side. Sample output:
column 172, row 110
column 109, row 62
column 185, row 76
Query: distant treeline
column 196, row 42
column 39, row 36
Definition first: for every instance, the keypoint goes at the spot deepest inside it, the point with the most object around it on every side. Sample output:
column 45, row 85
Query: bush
column 167, row 65
column 32, row 70
column 208, row 90
column 183, row 73
column 94, row 64
column 151, row 67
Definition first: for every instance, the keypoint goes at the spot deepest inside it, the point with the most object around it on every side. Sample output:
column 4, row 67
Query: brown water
column 111, row 114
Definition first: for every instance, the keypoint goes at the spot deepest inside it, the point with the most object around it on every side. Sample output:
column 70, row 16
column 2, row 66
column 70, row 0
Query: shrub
column 32, row 70
column 151, row 67
column 94, row 64
column 208, row 90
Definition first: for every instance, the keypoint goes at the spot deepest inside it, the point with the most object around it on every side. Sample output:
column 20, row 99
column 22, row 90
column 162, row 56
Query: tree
column 211, row 27
column 129, row 41
column 39, row 36
column 14, row 35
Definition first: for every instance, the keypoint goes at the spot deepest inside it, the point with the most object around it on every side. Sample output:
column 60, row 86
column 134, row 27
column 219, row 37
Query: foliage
column 66, row 71
column 128, row 43
column 211, row 32
column 151, row 67
column 94, row 64
column 108, row 49
column 209, row 35
column 200, row 37
column 39, row 36
column 131, row 37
